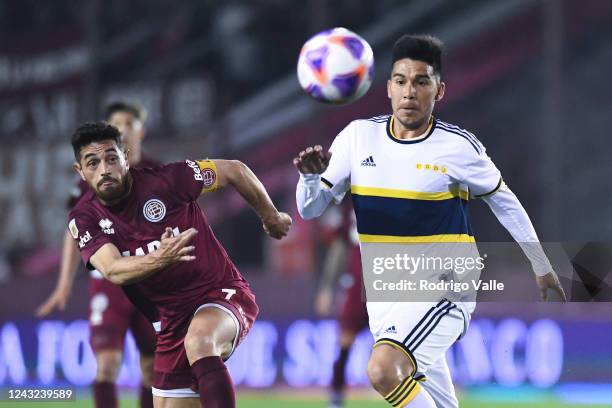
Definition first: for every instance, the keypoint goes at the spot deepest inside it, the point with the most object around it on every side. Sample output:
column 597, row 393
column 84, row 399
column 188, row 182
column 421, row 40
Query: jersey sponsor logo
column 154, row 210
column 150, row 247
column 106, row 226
column 196, row 169
column 74, row 231
column 369, row 161
column 84, row 239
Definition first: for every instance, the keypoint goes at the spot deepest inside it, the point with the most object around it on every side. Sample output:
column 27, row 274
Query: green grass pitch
column 285, row 400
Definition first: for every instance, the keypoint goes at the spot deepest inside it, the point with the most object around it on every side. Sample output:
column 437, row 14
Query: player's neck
column 403, row 133
column 135, row 157
column 128, row 190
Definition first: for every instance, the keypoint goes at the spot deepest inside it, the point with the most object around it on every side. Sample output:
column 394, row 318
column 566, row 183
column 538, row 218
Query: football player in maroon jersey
column 143, row 229
column 110, row 312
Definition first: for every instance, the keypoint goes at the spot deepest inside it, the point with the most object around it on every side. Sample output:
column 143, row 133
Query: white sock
column 421, row 400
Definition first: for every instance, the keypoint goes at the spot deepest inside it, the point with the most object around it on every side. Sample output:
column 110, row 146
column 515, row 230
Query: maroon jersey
column 160, row 197
column 80, row 187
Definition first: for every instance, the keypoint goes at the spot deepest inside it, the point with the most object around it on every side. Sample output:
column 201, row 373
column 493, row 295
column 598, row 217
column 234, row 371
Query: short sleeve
column 337, row 176
column 190, row 178
column 87, row 233
column 478, row 172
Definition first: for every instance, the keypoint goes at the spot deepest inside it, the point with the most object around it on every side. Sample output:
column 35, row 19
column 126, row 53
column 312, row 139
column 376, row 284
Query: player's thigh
column 167, row 402
column 212, row 332
column 424, row 331
column 143, row 333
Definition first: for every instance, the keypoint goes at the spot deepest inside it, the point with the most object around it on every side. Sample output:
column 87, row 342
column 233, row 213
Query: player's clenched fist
column 278, row 226
column 175, row 248
column 312, row 160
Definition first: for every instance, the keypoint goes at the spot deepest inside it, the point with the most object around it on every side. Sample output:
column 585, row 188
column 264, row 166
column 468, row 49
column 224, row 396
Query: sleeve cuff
column 310, row 179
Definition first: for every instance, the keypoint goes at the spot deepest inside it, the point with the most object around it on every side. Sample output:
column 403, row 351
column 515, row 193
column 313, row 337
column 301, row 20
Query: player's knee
column 387, row 368
column 200, row 344
column 383, row 376
column 108, row 365
column 347, row 338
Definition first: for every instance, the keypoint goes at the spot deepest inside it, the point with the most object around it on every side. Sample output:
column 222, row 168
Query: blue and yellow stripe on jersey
column 392, row 215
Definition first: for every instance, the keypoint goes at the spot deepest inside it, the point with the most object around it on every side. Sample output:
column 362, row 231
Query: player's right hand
column 175, row 248
column 312, row 160
column 278, row 226
column 550, row 281
column 57, row 301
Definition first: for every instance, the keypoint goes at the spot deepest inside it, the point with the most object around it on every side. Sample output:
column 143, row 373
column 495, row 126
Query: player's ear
column 126, row 154
column 441, row 90
column 389, row 88
column 77, row 167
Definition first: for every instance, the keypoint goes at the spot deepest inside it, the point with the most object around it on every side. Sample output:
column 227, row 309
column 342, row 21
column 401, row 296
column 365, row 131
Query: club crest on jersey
column 106, row 226
column 154, row 210
column 208, row 177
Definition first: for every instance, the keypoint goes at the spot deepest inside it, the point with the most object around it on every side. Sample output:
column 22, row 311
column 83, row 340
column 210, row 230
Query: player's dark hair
column 120, row 106
column 90, row 132
column 424, row 48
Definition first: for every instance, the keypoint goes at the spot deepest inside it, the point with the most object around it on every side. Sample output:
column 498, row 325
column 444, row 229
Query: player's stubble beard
column 114, row 193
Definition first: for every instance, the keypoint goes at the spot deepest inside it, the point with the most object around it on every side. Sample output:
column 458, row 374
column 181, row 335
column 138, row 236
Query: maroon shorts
column 353, row 313
column 171, row 369
column 111, row 314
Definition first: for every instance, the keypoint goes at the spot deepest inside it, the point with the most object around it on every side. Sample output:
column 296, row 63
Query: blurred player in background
column 410, row 176
column 143, row 229
column 342, row 257
column 111, row 313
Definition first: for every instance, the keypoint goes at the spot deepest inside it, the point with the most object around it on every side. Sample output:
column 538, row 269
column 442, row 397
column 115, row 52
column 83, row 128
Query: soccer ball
column 336, row 66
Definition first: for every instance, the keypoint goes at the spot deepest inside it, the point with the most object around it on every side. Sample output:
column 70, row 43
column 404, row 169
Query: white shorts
column 423, row 330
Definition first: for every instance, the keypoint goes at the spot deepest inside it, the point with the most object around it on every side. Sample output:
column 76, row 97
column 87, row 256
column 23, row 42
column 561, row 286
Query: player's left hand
column 550, row 281
column 278, row 226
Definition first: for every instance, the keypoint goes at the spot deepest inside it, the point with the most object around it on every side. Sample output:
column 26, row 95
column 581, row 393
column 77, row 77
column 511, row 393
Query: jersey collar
column 428, row 132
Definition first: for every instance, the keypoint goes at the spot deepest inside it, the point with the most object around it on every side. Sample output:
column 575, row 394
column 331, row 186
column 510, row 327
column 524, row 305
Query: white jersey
column 413, row 190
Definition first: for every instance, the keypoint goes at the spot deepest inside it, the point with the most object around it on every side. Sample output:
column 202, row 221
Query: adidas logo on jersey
column 391, row 330
column 369, row 161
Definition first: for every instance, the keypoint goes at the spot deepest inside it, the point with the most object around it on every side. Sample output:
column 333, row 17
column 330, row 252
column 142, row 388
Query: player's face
column 131, row 128
column 413, row 89
column 103, row 165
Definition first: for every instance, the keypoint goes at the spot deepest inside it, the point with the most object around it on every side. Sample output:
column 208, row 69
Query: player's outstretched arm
column 511, row 214
column 238, row 175
column 68, row 268
column 123, row 270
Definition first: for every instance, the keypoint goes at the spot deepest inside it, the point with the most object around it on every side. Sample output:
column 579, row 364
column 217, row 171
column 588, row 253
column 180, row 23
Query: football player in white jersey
column 410, row 177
